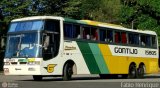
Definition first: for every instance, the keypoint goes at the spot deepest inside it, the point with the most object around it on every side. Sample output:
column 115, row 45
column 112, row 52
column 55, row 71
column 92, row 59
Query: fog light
column 6, row 70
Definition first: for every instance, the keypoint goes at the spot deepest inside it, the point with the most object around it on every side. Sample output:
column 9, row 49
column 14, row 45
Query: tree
column 145, row 14
column 14, row 8
column 1, row 16
column 71, row 9
column 101, row 10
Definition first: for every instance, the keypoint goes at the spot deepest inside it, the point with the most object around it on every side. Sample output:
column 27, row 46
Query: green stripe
column 99, row 58
column 89, row 58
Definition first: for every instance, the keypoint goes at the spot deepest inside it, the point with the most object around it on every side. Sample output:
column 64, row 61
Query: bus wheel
column 37, row 77
column 140, row 71
column 68, row 71
column 132, row 71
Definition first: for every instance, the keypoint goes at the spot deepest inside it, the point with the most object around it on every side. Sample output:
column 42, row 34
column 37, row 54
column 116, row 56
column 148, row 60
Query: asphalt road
column 80, row 81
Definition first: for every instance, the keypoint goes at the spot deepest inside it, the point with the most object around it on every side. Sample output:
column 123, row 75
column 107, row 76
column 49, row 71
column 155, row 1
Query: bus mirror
column 2, row 43
column 46, row 42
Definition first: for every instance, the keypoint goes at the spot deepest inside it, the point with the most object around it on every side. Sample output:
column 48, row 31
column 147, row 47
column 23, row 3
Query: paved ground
column 80, row 81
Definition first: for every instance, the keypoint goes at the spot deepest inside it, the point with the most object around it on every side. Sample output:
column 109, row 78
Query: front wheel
column 37, row 77
column 68, row 72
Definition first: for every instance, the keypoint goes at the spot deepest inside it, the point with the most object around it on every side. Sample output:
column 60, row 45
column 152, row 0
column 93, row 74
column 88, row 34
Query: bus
column 54, row 46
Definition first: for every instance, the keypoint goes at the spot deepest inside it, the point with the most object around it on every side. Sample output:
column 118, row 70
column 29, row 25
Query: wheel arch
column 72, row 63
column 132, row 63
column 142, row 64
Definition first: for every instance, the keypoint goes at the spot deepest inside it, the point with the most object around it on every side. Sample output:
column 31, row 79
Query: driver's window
column 48, row 51
column 51, row 39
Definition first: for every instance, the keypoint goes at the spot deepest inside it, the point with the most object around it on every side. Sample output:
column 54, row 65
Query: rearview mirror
column 46, row 41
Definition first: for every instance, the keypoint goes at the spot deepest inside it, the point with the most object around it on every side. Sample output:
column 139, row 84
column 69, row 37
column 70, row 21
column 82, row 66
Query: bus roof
column 85, row 22
column 108, row 25
column 36, row 18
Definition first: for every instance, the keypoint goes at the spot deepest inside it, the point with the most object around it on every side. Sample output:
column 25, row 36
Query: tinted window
column 68, row 30
column 117, row 37
column 26, row 25
column 103, row 35
column 154, row 42
column 133, row 38
column 109, row 36
column 76, row 32
column 86, row 33
column 124, row 37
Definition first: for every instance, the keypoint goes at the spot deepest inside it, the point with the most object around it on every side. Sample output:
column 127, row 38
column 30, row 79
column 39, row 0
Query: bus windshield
column 22, row 45
column 26, row 25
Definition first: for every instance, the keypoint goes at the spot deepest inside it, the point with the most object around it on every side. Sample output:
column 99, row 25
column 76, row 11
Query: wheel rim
column 141, row 71
column 132, row 73
column 70, row 72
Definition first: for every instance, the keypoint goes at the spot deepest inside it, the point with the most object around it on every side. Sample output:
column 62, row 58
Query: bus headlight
column 6, row 63
column 34, row 63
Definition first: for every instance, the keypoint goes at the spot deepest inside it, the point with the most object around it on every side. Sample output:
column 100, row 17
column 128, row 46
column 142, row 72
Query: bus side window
column 109, row 36
column 124, row 37
column 148, row 41
column 94, row 33
column 154, row 44
column 68, row 30
column 86, row 33
column 133, row 38
column 117, row 37
column 76, row 32
column 103, row 35
column 143, row 40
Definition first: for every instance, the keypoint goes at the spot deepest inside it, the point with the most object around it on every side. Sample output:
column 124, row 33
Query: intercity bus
column 43, row 46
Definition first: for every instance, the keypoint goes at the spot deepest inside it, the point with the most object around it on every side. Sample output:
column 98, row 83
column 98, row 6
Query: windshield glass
column 26, row 25
column 22, row 45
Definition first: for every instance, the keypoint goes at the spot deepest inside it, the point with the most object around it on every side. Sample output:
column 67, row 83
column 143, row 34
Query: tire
column 140, row 71
column 67, row 72
column 37, row 77
column 132, row 72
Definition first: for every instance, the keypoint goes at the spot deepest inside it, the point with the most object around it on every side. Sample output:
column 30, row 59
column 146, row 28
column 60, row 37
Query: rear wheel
column 68, row 72
column 132, row 71
column 141, row 71
column 37, row 77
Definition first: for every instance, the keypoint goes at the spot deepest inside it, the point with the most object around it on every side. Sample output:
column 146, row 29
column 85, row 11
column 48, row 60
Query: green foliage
column 72, row 9
column 101, row 10
column 14, row 9
column 144, row 13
